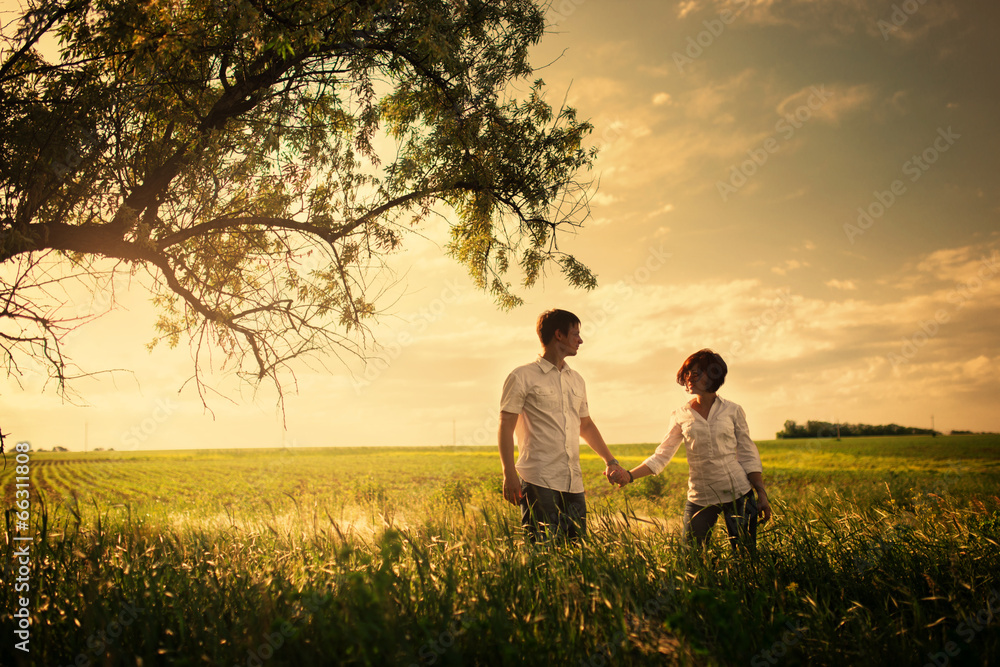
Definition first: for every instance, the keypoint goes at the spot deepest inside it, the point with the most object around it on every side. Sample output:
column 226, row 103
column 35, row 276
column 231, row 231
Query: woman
column 724, row 463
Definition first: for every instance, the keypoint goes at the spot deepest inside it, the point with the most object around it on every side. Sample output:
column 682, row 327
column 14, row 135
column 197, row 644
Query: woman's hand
column 763, row 507
column 616, row 475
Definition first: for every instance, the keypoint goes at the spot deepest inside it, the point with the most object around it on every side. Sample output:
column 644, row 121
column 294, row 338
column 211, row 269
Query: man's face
column 570, row 342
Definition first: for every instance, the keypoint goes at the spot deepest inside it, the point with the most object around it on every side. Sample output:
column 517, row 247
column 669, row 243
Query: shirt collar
column 547, row 365
column 719, row 401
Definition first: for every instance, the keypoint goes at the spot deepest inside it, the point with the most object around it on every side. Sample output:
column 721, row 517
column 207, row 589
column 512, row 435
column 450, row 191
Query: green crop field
column 882, row 551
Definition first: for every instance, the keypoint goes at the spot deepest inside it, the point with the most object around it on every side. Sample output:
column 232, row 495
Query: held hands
column 512, row 483
column 617, row 475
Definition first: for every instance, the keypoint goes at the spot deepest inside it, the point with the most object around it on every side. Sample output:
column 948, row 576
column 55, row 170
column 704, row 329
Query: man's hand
column 616, row 474
column 512, row 488
column 505, row 437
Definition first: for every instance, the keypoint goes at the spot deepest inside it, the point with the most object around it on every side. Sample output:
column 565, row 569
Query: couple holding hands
column 545, row 404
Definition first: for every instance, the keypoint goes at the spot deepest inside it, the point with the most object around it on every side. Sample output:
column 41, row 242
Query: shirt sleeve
column 512, row 399
column 667, row 448
column 746, row 451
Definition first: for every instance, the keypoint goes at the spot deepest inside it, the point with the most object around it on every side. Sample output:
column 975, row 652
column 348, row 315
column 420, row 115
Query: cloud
column 899, row 23
column 790, row 265
column 661, row 98
column 596, row 91
column 849, row 341
column 709, row 123
column 602, row 199
column 957, row 264
column 658, row 71
column 828, row 103
column 886, row 21
column 949, row 266
column 840, row 15
column 712, row 99
column 668, row 208
column 792, row 354
column 673, row 143
column 686, row 7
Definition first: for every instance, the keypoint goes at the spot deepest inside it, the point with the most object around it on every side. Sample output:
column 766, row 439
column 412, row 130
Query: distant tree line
column 817, row 429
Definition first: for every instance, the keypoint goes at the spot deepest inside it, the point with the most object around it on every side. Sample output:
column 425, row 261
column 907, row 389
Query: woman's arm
column 749, row 459
column 747, row 454
column 763, row 506
column 641, row 470
column 659, row 459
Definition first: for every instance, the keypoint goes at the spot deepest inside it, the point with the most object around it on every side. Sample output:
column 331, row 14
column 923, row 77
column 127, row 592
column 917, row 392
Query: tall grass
column 836, row 580
column 882, row 552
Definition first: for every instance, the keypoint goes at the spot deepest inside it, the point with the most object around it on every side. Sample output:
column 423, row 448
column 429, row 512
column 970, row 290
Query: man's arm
column 511, row 482
column 592, row 436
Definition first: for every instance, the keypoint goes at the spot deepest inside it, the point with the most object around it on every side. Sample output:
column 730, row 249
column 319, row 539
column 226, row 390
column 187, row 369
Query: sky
column 807, row 187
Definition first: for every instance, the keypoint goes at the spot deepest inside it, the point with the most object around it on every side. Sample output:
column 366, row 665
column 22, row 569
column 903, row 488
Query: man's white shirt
column 720, row 452
column 551, row 404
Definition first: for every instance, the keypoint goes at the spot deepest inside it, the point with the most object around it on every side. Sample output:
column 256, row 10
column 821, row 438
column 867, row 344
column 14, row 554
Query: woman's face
column 696, row 381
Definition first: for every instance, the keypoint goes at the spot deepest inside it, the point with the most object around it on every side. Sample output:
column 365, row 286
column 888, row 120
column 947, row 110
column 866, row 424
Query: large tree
column 215, row 143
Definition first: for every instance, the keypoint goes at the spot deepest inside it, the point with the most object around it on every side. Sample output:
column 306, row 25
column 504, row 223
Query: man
column 545, row 402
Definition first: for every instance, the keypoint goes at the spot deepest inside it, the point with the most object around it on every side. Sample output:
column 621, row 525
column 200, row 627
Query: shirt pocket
column 576, row 400
column 546, row 398
column 725, row 436
column 697, row 440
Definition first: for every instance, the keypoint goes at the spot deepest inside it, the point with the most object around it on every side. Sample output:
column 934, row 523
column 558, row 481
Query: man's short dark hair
column 555, row 320
column 707, row 363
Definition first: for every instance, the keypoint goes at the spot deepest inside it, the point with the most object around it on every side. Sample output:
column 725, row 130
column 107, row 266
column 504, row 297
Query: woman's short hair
column 707, row 363
column 552, row 321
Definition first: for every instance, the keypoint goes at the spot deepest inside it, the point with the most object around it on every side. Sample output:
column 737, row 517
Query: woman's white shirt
column 720, row 452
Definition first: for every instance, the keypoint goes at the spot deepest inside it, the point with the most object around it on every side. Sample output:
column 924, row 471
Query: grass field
column 883, row 551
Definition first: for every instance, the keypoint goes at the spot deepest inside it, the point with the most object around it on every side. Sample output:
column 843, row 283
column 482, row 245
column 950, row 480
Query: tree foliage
column 819, row 429
column 216, row 144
